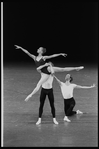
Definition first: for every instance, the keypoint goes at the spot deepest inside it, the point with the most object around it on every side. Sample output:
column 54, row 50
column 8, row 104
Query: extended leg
column 59, row 69
column 42, row 80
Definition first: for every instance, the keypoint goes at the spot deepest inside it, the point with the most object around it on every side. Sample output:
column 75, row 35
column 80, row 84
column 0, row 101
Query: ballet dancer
column 67, row 93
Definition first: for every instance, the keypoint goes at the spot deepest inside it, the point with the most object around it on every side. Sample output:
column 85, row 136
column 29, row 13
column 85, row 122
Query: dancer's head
column 51, row 67
column 41, row 50
column 68, row 78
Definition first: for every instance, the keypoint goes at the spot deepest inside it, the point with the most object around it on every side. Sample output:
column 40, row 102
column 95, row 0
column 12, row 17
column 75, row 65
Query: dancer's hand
column 63, row 54
column 28, row 97
column 47, row 64
column 18, row 47
column 79, row 68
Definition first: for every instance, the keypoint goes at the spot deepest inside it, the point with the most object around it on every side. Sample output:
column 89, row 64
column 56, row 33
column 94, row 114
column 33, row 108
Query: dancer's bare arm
column 79, row 86
column 54, row 55
column 24, row 50
column 40, row 67
column 60, row 83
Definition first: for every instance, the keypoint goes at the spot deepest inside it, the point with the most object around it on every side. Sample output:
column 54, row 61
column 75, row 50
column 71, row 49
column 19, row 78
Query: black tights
column 68, row 106
column 43, row 94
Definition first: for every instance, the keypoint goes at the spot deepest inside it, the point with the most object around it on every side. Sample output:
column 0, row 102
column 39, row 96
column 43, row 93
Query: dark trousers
column 43, row 94
column 68, row 106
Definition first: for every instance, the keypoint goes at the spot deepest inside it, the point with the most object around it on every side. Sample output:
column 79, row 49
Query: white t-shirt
column 48, row 83
column 67, row 90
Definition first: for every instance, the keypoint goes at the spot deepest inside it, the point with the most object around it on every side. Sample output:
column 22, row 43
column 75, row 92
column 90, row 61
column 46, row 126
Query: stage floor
column 19, row 117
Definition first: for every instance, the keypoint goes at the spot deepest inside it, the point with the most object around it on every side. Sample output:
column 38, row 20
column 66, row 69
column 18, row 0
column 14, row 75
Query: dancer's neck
column 67, row 82
column 39, row 55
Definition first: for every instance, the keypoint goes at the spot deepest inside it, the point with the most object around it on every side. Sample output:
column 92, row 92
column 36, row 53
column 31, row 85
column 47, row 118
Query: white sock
column 54, row 120
column 38, row 122
column 66, row 119
column 79, row 112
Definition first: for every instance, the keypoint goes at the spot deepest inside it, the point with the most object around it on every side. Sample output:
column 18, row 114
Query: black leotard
column 42, row 62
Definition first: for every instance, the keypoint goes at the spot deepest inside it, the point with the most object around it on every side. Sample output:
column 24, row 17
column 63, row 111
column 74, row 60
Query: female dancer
column 43, row 66
column 67, row 93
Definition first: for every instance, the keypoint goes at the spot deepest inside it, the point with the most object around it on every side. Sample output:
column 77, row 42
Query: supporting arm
column 60, row 83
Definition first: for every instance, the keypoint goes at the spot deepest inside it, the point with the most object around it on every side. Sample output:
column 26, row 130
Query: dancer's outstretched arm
column 24, row 50
column 60, row 83
column 54, row 55
column 79, row 86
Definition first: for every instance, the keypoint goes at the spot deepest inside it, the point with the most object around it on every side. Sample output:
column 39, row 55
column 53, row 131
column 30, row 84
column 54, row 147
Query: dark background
column 61, row 27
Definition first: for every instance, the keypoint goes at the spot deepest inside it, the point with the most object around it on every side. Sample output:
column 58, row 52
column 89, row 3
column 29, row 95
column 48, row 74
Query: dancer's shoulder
column 73, row 84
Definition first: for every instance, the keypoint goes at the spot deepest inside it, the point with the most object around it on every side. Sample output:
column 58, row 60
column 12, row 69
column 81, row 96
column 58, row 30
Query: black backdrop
column 67, row 27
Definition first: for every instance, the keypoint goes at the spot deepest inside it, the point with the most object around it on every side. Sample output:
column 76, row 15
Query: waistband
column 69, row 98
column 47, row 89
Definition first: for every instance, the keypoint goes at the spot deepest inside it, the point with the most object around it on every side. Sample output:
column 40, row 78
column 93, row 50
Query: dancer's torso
column 67, row 90
column 39, row 62
column 48, row 83
column 42, row 62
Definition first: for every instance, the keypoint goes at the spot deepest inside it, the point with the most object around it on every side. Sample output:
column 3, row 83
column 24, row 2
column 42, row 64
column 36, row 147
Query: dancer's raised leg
column 43, row 79
column 59, row 69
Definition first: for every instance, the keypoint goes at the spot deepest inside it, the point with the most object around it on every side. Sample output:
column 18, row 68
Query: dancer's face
column 40, row 50
column 67, row 78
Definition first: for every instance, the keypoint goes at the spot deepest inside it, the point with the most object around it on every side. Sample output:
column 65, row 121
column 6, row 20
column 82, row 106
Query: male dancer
column 67, row 89
column 47, row 89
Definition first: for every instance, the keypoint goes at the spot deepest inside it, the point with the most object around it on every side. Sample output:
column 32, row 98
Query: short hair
column 44, row 50
column 71, row 79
